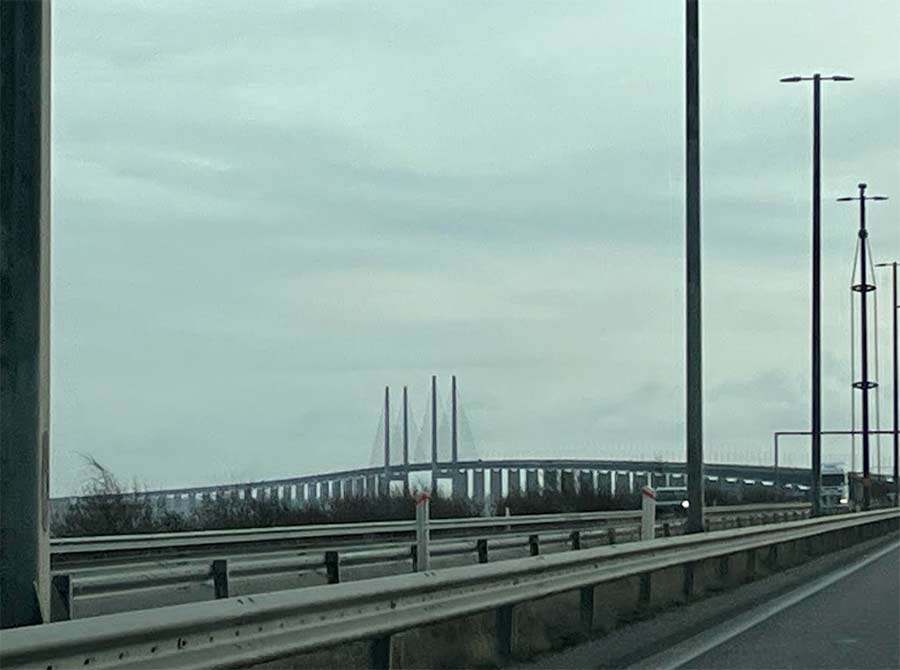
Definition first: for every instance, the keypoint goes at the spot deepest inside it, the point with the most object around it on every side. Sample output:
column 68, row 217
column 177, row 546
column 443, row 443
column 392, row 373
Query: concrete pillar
column 25, row 313
column 514, row 486
column 478, row 485
column 551, row 481
column 586, row 482
column 461, row 483
column 604, row 482
column 567, row 482
column 532, row 486
column 639, row 480
column 496, row 485
column 622, row 484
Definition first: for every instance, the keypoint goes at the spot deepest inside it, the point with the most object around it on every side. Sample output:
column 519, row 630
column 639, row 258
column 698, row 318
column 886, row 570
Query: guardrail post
column 751, row 565
column 219, row 574
column 575, row 538
column 61, row 598
column 534, row 545
column 648, row 513
column 414, row 556
column 504, row 624
column 645, row 586
column 587, row 609
column 423, row 553
column 481, row 546
column 724, row 566
column 333, row 567
column 688, row 585
column 611, row 536
column 667, row 530
column 380, row 653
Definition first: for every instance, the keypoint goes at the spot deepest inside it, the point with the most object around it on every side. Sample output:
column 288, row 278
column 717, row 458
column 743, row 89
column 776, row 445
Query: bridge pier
column 478, row 485
column 460, row 481
column 551, row 480
column 532, row 486
column 496, row 485
column 586, row 482
column 567, row 482
column 604, row 482
column 514, row 486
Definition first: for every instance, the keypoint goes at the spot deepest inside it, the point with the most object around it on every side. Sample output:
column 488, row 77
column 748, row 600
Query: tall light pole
column 693, row 302
column 816, row 401
column 895, row 308
column 863, row 288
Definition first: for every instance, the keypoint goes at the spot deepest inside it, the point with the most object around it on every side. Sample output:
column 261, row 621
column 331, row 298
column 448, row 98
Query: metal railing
column 242, row 632
column 568, row 531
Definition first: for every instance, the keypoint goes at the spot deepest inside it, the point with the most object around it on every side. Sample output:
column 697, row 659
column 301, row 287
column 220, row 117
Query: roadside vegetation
column 107, row 507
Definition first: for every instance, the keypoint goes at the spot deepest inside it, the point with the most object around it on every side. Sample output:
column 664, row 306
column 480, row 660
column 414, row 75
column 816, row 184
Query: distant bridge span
column 468, row 479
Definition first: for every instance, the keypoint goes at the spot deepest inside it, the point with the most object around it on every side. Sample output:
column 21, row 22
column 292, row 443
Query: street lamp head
column 790, row 80
column 846, row 198
column 877, row 197
column 840, row 77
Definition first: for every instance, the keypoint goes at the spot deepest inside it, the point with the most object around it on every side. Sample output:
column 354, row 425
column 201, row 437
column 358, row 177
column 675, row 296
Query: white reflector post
column 423, row 512
column 648, row 513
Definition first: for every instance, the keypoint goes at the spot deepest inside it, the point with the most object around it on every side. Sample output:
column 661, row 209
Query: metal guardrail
column 94, row 550
column 242, row 632
column 219, row 572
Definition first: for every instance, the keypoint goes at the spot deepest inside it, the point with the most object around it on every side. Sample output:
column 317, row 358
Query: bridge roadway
column 489, row 478
column 844, row 616
column 849, row 619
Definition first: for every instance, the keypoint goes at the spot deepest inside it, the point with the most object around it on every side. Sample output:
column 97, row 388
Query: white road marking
column 686, row 651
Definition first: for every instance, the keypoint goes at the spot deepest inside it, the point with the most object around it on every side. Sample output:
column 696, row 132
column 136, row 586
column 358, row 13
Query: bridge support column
column 478, row 486
column 639, row 480
column 514, row 486
column 586, row 482
column 496, row 485
column 460, row 483
column 532, row 486
column 551, row 481
column 567, row 483
column 605, row 482
column 622, row 483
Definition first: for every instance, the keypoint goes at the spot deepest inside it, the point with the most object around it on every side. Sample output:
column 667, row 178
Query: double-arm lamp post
column 816, row 427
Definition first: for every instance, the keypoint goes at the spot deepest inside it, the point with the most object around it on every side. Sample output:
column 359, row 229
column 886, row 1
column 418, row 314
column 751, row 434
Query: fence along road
column 388, row 614
column 107, row 575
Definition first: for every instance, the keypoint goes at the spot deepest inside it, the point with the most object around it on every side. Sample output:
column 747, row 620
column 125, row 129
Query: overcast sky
column 266, row 212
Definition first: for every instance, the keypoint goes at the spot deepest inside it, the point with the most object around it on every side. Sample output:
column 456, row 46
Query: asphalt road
column 849, row 618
